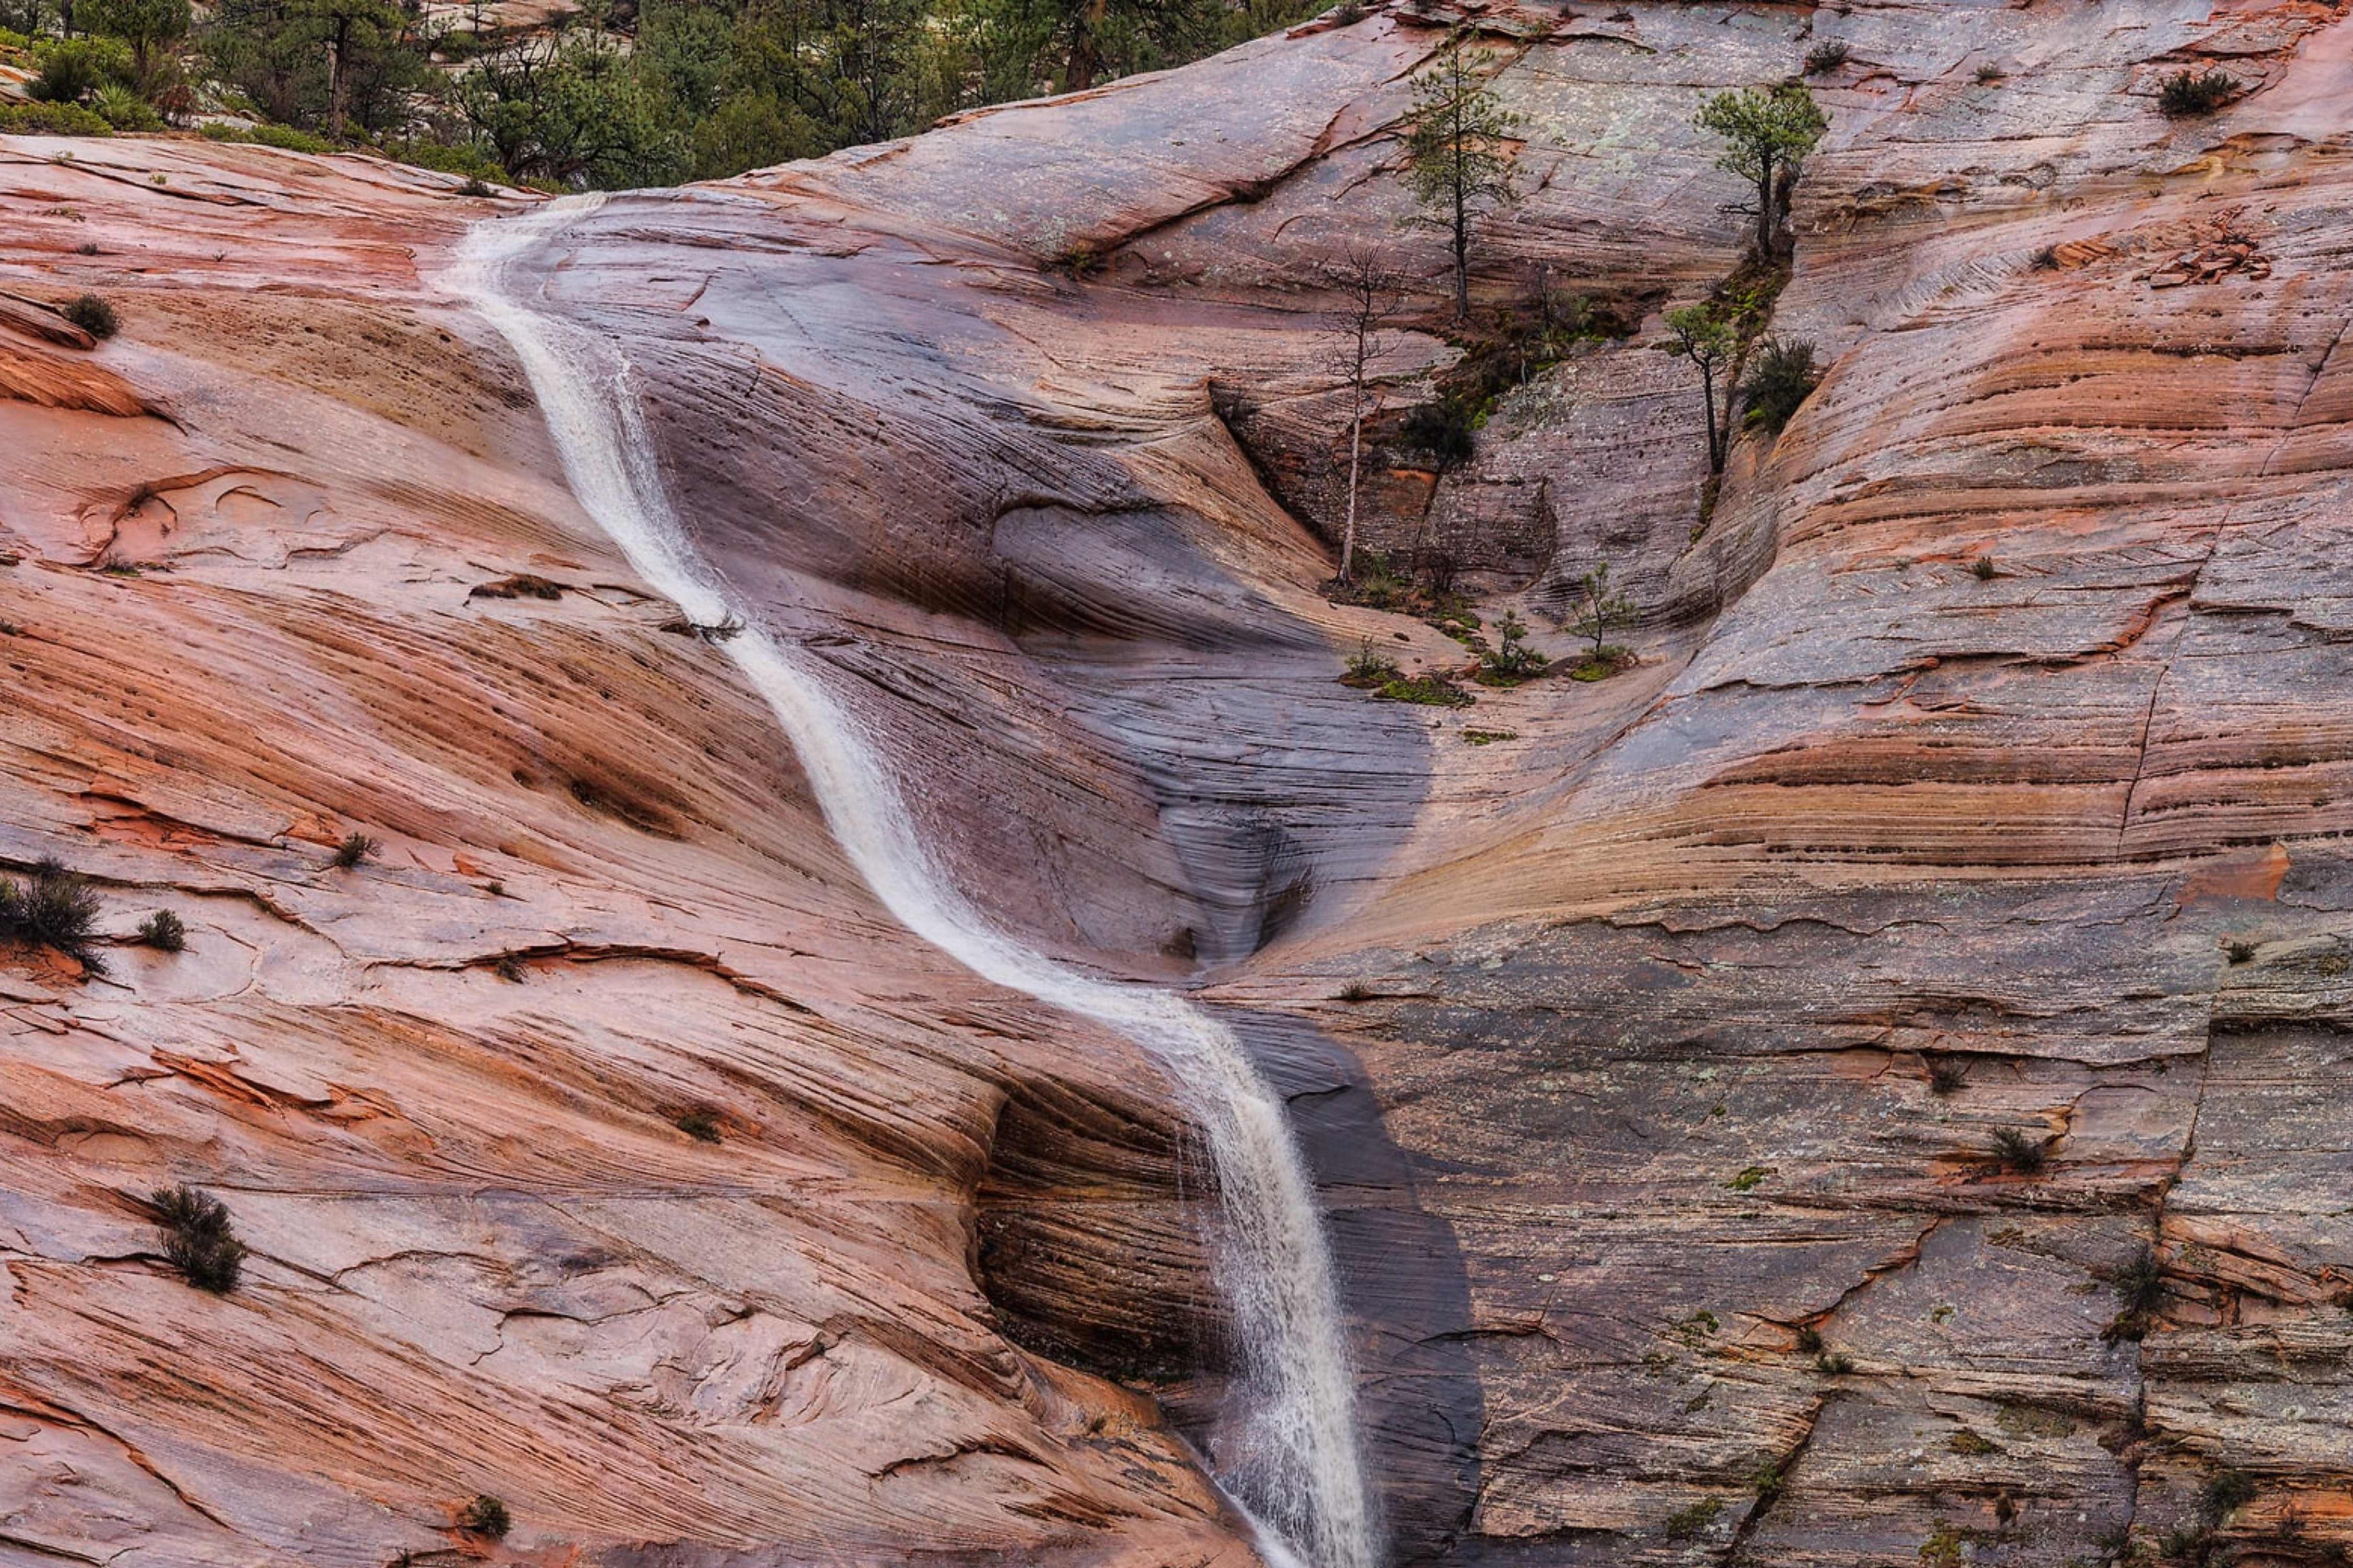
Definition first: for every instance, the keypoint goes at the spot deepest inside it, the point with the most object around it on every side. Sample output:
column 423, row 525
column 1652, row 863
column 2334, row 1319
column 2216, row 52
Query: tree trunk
column 1461, row 257
column 1084, row 60
column 1356, row 458
column 335, row 78
column 1765, row 211
column 1707, row 395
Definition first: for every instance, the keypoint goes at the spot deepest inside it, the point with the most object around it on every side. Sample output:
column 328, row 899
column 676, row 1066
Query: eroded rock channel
column 1856, row 1085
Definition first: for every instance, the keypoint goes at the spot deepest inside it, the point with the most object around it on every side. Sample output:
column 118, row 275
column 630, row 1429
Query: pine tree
column 1770, row 132
column 1459, row 151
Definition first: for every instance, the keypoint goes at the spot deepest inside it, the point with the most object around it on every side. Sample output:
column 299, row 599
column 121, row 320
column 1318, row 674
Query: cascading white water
column 1300, row 1471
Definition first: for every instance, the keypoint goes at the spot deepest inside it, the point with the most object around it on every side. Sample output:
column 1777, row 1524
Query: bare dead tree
column 1370, row 297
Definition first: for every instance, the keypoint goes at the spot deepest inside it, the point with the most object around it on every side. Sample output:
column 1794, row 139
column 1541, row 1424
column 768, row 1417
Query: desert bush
column 2188, row 92
column 2020, row 1151
column 163, row 931
column 355, row 848
column 1947, row 1076
column 1988, row 74
column 1827, row 56
column 53, row 908
column 92, row 315
column 699, row 1123
column 1784, row 377
column 2141, row 1286
column 2240, row 952
column 486, row 1515
column 522, row 585
column 198, row 1238
column 1443, row 429
column 1983, row 569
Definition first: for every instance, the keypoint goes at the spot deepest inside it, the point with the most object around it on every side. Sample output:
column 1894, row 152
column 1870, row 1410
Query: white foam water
column 1297, row 1468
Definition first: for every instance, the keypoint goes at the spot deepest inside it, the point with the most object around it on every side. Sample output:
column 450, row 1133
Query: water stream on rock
column 1298, row 1468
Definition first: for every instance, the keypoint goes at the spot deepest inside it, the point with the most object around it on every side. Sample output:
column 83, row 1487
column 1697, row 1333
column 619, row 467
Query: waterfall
column 1298, row 1470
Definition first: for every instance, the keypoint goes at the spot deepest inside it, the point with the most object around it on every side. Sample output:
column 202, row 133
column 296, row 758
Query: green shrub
column 486, row 1515
column 1686, row 1523
column 163, row 931
column 52, row 120
column 125, row 109
column 2226, row 1492
column 1369, row 666
column 72, row 69
column 92, row 315
column 1601, row 608
column 1783, row 379
column 355, row 848
column 54, row 908
column 1512, row 660
column 445, row 158
column 1826, row 57
column 2141, row 1286
column 1426, row 691
column 198, row 1238
column 288, row 140
column 2188, row 92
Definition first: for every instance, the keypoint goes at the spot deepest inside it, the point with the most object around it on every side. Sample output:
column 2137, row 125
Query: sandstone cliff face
column 1640, row 1105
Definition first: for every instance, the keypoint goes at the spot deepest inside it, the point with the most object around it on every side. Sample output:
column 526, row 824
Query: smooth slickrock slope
column 1027, row 429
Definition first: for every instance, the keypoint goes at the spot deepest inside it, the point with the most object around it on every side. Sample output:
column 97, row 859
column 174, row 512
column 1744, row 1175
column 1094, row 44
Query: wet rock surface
column 1677, row 1055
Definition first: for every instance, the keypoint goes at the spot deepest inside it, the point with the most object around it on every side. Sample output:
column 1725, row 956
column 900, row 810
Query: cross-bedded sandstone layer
column 1027, row 428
